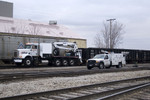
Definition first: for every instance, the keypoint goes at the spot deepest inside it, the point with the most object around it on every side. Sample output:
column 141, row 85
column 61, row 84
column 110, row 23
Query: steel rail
column 114, row 94
column 125, row 92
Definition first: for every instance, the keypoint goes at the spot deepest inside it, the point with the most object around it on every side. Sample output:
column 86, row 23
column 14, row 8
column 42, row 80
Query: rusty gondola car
column 134, row 56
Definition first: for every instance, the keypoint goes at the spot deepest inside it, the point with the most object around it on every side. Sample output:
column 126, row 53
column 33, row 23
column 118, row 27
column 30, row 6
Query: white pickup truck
column 106, row 61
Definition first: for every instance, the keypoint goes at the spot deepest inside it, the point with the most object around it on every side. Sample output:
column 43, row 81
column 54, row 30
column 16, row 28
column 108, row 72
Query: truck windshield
column 99, row 56
column 28, row 47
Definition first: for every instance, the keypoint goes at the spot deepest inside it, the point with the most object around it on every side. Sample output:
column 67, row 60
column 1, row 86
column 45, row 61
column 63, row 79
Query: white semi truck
column 107, row 60
column 56, row 53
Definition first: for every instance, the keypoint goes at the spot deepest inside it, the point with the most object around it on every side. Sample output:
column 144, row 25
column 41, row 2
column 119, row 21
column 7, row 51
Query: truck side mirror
column 106, row 57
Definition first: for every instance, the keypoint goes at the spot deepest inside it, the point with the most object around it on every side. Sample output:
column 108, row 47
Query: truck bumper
column 93, row 65
column 18, row 60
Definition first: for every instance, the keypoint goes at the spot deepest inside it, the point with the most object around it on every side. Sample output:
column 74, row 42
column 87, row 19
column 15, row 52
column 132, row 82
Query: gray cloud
column 85, row 17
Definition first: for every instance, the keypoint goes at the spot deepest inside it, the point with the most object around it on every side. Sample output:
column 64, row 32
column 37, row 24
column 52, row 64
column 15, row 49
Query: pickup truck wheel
column 72, row 62
column 101, row 66
column 57, row 62
column 65, row 62
column 28, row 62
column 119, row 65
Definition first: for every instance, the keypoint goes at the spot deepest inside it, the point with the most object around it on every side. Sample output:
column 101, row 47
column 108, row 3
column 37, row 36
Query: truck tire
column 119, row 65
column 71, row 62
column 101, row 65
column 28, row 62
column 57, row 62
column 65, row 62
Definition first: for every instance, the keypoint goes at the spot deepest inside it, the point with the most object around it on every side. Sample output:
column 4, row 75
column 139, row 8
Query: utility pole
column 110, row 35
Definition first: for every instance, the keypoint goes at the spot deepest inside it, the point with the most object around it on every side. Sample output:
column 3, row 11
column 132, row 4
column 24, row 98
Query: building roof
column 18, row 26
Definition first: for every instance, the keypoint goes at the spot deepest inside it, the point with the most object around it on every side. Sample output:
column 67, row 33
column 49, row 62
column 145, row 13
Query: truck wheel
column 28, row 62
column 72, row 62
column 65, row 62
column 119, row 65
column 57, row 62
column 101, row 66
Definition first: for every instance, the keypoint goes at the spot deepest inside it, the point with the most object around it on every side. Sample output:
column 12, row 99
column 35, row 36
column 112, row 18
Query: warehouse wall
column 80, row 42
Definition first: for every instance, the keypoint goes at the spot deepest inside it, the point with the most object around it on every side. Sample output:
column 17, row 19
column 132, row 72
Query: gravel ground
column 42, row 68
column 45, row 84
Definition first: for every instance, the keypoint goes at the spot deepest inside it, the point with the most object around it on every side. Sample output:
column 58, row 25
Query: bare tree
column 20, row 27
column 34, row 29
column 17, row 28
column 99, row 41
column 107, row 39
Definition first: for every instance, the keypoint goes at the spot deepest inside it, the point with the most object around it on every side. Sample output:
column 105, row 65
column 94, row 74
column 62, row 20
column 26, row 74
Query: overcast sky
column 85, row 17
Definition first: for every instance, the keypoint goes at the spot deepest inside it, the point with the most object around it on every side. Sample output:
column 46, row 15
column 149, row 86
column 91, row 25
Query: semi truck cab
column 26, row 54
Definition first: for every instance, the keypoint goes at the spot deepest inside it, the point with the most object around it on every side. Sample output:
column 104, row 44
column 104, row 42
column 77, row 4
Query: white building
column 29, row 27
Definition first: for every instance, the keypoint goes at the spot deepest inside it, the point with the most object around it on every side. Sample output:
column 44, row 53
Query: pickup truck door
column 106, row 60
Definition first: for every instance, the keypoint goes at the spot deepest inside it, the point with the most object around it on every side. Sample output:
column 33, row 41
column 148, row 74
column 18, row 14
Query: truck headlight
column 97, row 61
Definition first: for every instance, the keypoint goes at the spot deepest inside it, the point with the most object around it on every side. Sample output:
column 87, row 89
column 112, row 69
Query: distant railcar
column 134, row 56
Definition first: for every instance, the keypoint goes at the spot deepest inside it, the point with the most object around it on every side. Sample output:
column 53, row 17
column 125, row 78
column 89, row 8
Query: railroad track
column 12, row 76
column 103, row 91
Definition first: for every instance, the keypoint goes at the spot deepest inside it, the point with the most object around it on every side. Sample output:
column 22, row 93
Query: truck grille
column 15, row 54
column 91, row 62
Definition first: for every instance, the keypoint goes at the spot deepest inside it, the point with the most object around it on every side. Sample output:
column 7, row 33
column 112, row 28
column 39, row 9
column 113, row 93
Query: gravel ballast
column 53, row 83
